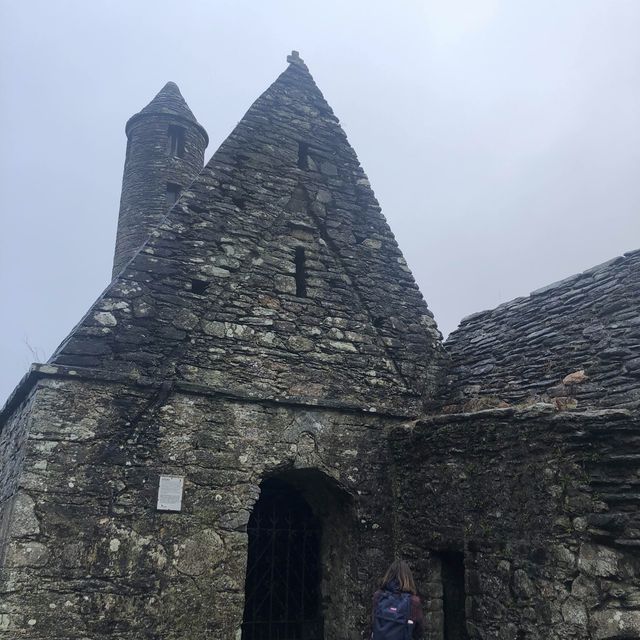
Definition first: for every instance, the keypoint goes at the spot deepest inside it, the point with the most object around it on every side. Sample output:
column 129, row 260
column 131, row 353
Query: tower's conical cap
column 168, row 101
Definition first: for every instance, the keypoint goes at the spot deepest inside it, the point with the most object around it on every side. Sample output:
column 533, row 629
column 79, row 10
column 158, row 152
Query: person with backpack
column 397, row 610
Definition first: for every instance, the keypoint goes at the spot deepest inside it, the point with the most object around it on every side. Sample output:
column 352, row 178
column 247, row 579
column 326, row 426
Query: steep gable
column 211, row 297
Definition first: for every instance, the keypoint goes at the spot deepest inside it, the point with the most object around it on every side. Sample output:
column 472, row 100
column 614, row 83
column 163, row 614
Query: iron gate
column 282, row 591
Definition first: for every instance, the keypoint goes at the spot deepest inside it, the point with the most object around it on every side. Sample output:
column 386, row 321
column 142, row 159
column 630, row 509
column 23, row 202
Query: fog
column 502, row 138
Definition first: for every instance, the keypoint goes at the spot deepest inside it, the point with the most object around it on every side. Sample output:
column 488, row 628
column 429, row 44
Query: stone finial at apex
column 295, row 59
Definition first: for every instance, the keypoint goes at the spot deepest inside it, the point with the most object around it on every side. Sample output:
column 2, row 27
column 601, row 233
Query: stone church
column 259, row 413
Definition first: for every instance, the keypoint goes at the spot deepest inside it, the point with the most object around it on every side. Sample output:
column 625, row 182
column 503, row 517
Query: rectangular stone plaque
column 170, row 493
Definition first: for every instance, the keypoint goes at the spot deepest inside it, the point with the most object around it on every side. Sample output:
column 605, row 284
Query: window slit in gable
column 301, row 277
column 303, row 155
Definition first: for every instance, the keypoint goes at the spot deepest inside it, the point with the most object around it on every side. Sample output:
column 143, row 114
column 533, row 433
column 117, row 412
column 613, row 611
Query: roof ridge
column 591, row 271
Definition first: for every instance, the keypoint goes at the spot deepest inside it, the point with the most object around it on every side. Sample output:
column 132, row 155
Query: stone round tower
column 165, row 152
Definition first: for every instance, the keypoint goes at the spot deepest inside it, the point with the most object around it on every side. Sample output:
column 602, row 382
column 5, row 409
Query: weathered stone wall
column 90, row 557
column 544, row 507
column 13, row 439
column 270, row 327
column 523, row 351
column 263, row 378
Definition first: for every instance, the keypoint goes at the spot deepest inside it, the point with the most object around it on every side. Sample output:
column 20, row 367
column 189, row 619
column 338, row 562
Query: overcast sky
column 502, row 137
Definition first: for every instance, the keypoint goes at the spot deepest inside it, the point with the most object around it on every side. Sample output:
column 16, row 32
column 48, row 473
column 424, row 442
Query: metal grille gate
column 283, row 568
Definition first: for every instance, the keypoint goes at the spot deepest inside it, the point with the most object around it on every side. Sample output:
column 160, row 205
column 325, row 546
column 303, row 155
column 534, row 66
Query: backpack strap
column 409, row 619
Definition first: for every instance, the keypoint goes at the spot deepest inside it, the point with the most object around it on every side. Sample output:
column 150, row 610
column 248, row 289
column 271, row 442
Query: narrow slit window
column 303, row 155
column 301, row 277
column 175, row 141
column 128, row 151
column 173, row 193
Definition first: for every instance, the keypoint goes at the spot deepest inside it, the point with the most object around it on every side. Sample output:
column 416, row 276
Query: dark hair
column 400, row 571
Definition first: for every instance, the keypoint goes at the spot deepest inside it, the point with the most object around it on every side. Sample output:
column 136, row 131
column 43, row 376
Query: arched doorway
column 282, row 589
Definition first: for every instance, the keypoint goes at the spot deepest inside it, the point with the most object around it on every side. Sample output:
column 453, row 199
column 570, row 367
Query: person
column 398, row 580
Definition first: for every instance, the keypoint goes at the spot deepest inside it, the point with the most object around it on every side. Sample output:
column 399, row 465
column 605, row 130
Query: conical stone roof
column 168, row 101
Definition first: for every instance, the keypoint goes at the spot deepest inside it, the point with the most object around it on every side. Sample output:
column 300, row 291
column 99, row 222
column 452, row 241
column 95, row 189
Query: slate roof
column 168, row 101
column 523, row 350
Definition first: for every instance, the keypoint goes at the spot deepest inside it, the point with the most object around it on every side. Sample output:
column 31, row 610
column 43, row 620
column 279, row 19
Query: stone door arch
column 301, row 537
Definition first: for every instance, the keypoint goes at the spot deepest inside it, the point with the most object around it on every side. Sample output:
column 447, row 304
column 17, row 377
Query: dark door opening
column 282, row 589
column 453, row 596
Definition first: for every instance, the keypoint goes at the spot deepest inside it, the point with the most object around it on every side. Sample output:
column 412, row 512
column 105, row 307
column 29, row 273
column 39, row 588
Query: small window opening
column 378, row 321
column 199, row 286
column 175, row 141
column 239, row 201
column 301, row 277
column 195, row 207
column 173, row 193
column 303, row 155
column 453, row 596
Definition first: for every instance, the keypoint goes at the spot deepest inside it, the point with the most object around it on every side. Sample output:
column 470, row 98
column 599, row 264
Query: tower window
column 175, row 141
column 301, row 278
column 128, row 151
column 303, row 155
column 173, row 193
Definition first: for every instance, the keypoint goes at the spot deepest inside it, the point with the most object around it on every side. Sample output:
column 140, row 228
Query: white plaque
column 170, row 493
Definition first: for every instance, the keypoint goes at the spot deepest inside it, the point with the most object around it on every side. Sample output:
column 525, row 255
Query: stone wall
column 13, row 439
column 269, row 328
column 576, row 343
column 544, row 507
column 90, row 556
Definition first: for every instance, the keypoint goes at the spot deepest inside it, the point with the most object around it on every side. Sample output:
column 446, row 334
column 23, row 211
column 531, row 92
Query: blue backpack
column 391, row 618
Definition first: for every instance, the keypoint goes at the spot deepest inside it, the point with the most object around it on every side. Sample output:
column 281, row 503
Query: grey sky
column 502, row 137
